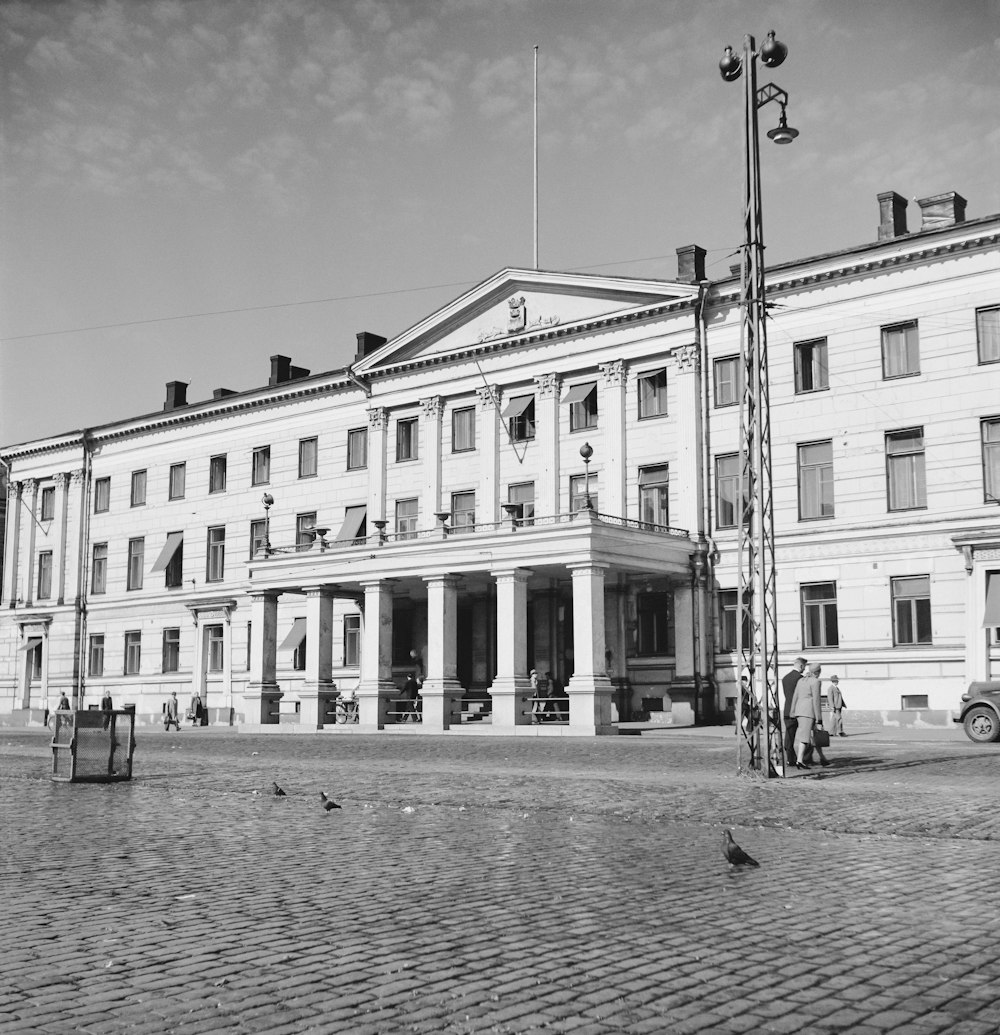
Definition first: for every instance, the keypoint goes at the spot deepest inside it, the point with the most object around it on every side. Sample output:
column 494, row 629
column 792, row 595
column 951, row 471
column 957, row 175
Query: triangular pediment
column 516, row 303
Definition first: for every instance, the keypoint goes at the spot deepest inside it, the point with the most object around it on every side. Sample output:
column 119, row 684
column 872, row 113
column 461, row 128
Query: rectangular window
column 406, row 519
column 102, row 495
column 988, row 334
column 217, row 473
column 260, row 469
column 305, row 530
column 463, row 512
column 911, row 610
column 257, row 537
column 654, row 614
column 133, row 652
column 45, row 575
column 215, row 647
column 912, row 702
column 308, row 453
column 173, row 573
column 216, row 567
column 727, row 482
column 352, row 641
column 463, row 429
column 900, row 350
column 136, row 560
column 357, row 449
column 819, row 615
column 178, row 478
column 99, row 569
column 816, row 480
column 728, row 613
column 991, row 459
column 138, row 496
column 523, row 494
column 652, row 394
column 904, row 459
column 95, row 655
column 520, row 416
column 582, row 402
column 727, row 380
column 171, row 661
column 48, row 503
column 406, row 439
column 579, row 490
column 654, row 494
column 811, row 371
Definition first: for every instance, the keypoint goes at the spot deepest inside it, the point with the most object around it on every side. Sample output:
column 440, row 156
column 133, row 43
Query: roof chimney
column 280, row 367
column 691, row 264
column 891, row 215
column 221, row 393
column 368, row 343
column 176, row 395
column 942, row 210
column 294, row 372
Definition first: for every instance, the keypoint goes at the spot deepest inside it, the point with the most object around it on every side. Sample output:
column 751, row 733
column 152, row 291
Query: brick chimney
column 368, row 343
column 942, row 210
column 691, row 264
column 891, row 215
column 176, row 395
column 280, row 368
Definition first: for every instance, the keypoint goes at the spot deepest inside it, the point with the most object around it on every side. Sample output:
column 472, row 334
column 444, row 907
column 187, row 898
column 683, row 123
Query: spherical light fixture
column 730, row 66
column 773, row 52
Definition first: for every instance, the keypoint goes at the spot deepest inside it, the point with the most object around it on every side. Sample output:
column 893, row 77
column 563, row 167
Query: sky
column 188, row 187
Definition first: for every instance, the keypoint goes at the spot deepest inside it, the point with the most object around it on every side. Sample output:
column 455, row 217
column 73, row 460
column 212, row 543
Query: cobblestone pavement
column 481, row 884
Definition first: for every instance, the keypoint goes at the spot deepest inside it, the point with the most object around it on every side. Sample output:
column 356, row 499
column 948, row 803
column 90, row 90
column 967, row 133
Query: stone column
column 689, row 475
column 376, row 686
column 75, row 563
column 488, row 499
column 262, row 693
column 378, row 421
column 590, row 688
column 511, row 689
column 12, row 542
column 547, row 437
column 612, row 417
column 430, row 453
column 58, row 532
column 318, row 686
column 29, row 589
column 441, row 691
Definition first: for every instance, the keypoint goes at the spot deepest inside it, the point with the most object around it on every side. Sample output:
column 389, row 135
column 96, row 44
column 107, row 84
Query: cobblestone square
column 478, row 884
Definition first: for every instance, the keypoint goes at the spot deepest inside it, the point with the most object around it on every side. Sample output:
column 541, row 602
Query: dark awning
column 654, row 475
column 991, row 618
column 296, row 636
column 354, row 518
column 578, row 393
column 517, row 406
column 31, row 643
column 174, row 540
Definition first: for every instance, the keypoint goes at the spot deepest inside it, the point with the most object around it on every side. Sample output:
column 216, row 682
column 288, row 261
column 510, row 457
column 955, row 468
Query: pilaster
column 612, row 416
column 547, row 437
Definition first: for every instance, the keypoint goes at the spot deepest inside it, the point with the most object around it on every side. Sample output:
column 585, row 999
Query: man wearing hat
column 836, row 701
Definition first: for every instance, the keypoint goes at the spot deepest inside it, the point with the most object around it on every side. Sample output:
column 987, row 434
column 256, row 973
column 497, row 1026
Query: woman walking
column 807, row 710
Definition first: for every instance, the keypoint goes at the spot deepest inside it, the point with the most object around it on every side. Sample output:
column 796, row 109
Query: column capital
column 547, row 385
column 614, row 372
column 264, row 594
column 367, row 584
column 433, row 407
column 511, row 574
column 319, row 589
column 446, row 579
column 61, row 479
column 76, row 477
column 378, row 418
column 488, row 395
column 588, row 568
column 687, row 357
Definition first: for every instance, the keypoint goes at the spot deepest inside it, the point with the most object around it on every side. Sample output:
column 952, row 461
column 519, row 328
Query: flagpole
column 535, row 150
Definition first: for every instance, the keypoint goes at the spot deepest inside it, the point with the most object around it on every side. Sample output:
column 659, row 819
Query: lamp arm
column 770, row 92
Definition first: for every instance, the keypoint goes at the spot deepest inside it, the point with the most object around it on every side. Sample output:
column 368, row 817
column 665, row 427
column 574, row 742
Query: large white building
column 427, row 509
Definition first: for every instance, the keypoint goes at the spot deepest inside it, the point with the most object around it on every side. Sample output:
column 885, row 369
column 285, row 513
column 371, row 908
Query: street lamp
column 587, row 451
column 268, row 500
column 761, row 741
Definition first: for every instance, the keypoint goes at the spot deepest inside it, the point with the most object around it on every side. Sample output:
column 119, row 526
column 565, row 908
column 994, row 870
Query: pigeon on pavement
column 277, row 791
column 733, row 853
column 328, row 803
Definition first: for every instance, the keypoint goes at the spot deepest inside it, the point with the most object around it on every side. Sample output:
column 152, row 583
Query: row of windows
column 900, row 357
column 906, row 482
column 911, row 614
column 170, row 649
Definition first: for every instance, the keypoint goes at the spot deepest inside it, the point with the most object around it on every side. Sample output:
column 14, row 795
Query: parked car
column 980, row 714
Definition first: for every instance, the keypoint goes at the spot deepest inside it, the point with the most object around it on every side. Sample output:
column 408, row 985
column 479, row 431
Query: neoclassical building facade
column 541, row 476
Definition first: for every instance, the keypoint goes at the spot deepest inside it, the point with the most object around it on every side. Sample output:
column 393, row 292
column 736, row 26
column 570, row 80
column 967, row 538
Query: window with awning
column 31, row 643
column 582, row 403
column 578, row 393
column 170, row 547
column 295, row 636
column 516, row 406
column 991, row 616
column 354, row 524
column 520, row 416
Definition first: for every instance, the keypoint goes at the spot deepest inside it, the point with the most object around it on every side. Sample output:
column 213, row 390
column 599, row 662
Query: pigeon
column 733, row 853
column 328, row 803
column 277, row 791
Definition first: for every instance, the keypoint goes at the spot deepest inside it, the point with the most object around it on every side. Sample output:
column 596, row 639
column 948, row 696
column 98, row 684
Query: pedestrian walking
column 807, row 710
column 408, row 700
column 63, row 705
column 107, row 706
column 788, row 683
column 171, row 714
column 194, row 712
column 836, row 701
